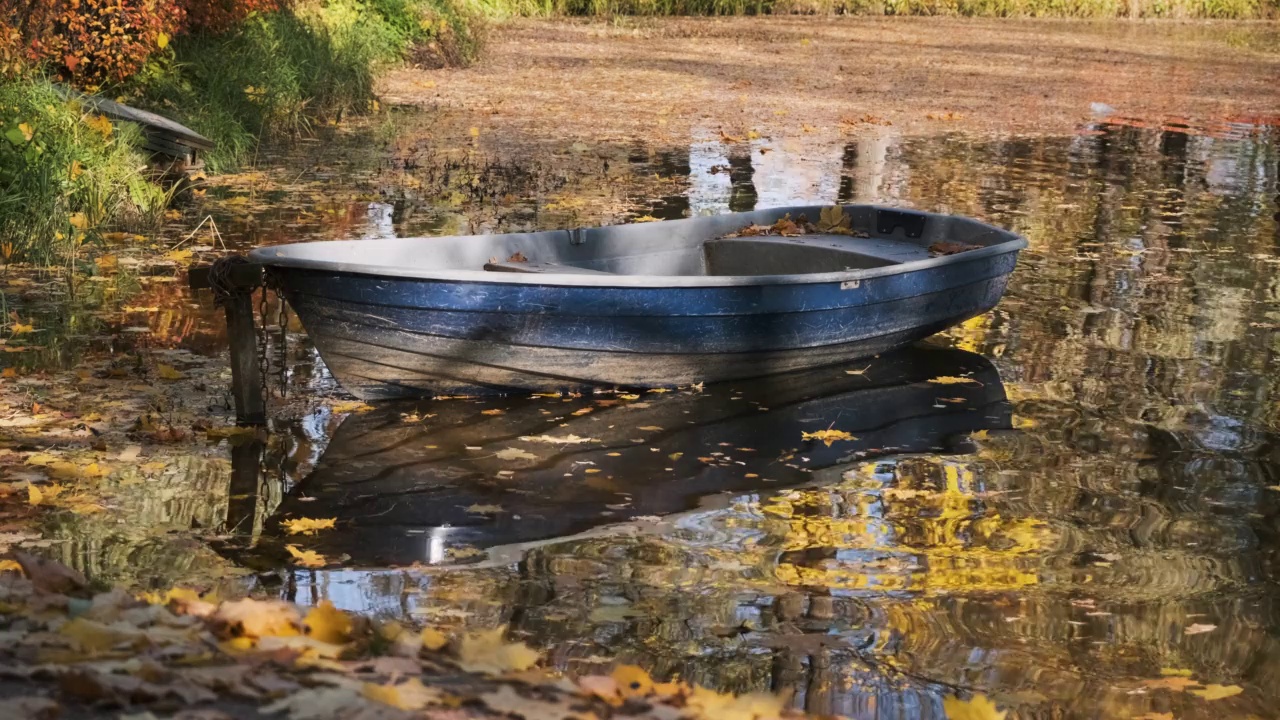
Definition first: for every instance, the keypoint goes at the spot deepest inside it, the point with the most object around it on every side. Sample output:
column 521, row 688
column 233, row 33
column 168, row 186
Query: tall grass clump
column 66, row 175
column 280, row 73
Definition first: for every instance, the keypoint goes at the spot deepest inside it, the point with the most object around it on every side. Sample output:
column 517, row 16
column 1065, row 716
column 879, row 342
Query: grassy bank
column 1184, row 9
column 280, row 74
column 69, row 178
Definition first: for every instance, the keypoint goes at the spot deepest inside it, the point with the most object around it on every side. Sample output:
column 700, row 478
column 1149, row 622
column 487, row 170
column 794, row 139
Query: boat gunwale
column 270, row 257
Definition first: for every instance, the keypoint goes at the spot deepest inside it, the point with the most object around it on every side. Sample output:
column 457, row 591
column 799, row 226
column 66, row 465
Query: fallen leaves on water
column 977, row 708
column 559, row 439
column 722, row 706
column 481, row 509
column 308, row 526
column 827, row 436
column 21, row 329
column 487, row 652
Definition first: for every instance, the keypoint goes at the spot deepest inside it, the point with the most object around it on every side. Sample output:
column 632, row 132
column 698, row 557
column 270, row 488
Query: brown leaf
column 49, row 575
column 256, row 619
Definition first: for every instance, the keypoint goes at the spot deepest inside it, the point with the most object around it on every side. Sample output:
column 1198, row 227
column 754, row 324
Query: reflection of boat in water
column 407, row 487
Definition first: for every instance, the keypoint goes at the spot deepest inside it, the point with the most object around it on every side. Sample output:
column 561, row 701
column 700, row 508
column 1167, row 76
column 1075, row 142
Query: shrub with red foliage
column 219, row 16
column 90, row 42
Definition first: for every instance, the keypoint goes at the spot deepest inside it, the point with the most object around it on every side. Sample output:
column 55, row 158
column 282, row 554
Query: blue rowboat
column 658, row 304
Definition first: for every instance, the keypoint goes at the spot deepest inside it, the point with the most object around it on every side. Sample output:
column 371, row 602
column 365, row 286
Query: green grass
column 64, row 178
column 279, row 74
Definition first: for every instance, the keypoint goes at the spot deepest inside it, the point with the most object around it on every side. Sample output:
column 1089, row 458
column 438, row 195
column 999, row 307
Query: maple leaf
column 433, row 639
column 326, row 623
column 834, row 220
column 487, row 652
column 168, row 372
column 827, row 436
column 979, row 708
column 308, row 526
column 408, row 695
column 306, row 558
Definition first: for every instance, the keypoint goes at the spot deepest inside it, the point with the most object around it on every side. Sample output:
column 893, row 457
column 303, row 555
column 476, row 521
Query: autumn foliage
column 93, row 42
column 218, row 16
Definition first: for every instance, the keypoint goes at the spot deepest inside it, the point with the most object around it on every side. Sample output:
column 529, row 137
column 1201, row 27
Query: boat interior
column 717, row 245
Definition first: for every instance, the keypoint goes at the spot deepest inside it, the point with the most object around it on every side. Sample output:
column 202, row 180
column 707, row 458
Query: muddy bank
column 799, row 76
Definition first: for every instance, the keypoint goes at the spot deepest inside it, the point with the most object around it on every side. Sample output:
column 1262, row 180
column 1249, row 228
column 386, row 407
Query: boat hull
column 387, row 337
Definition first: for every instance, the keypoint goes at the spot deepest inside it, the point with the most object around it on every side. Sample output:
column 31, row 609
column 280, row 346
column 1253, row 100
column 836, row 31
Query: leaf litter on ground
column 87, row 653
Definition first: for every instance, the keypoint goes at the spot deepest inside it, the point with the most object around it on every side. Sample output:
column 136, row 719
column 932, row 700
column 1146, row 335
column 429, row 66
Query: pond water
column 1071, row 504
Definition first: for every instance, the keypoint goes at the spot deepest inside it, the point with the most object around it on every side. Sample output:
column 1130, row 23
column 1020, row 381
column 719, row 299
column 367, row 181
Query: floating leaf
column 559, row 440
column 480, row 509
column 1198, row 628
column 351, row 406
column 1217, row 692
column 308, row 526
column 979, row 708
column 34, row 495
column 827, row 436
column 306, row 558
column 168, row 372
column 515, row 454
column 951, row 380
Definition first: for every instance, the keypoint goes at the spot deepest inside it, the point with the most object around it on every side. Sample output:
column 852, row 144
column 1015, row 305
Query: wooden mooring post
column 233, row 281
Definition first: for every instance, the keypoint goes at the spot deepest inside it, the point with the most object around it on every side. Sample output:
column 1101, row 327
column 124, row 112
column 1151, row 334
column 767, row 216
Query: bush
column 220, row 16
column 65, row 175
column 90, row 42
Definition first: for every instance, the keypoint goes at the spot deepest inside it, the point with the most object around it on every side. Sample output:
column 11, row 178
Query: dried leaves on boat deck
column 831, row 221
column 225, row 659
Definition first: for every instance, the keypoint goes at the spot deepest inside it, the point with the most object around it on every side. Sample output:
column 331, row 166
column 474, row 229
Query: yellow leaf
column 433, row 639
column 92, row 637
column 951, row 380
column 162, row 40
column 327, row 623
column 644, row 219
column 350, row 406
column 20, row 329
column 475, row 132
column 408, row 695
column 307, row 558
column 833, row 220
column 308, row 526
column 979, row 708
column 99, row 124
column 168, row 372
column 1217, row 692
column 178, row 256
column 7, row 565
column 827, row 436
column 712, row 705
column 76, row 169
column 492, row 411
column 632, row 681
column 486, row 652
column 27, row 132
column 79, row 220
column 34, row 495
column 1180, row 672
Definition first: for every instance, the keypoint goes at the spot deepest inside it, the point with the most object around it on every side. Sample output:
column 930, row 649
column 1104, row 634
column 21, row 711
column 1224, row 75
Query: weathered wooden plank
column 150, row 122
